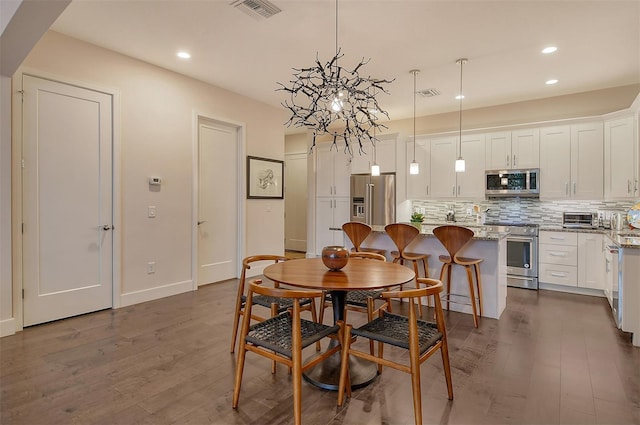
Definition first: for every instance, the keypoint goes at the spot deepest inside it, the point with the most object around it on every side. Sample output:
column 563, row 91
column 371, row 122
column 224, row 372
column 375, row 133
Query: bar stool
column 357, row 232
column 402, row 235
column 454, row 238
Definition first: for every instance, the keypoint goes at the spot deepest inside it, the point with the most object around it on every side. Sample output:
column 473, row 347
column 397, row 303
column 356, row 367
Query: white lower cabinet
column 572, row 259
column 558, row 258
column 591, row 263
column 331, row 214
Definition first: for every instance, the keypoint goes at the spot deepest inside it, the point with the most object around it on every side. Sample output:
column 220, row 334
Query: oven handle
column 521, row 238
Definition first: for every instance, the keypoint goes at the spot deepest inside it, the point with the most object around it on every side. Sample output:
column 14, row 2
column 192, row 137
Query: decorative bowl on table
column 335, row 257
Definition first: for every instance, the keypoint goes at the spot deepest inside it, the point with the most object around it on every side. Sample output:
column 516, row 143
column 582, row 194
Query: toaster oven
column 580, row 220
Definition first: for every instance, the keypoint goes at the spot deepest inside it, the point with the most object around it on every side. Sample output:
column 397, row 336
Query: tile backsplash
column 529, row 210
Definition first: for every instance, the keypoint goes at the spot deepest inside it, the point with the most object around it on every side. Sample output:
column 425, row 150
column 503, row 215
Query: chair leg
column 296, row 354
column 234, row 332
column 479, row 285
column 472, row 295
column 314, row 317
column 370, row 308
column 444, row 351
column 323, row 305
column 238, row 381
column 425, row 266
column 415, row 270
column 274, row 313
column 414, row 361
column 446, row 268
column 344, row 366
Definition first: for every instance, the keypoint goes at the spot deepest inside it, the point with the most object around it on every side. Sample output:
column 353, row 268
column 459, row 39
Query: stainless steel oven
column 522, row 253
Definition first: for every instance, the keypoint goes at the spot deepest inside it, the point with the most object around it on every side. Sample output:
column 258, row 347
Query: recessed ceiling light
column 551, row 82
column 460, row 96
column 549, row 49
column 184, row 55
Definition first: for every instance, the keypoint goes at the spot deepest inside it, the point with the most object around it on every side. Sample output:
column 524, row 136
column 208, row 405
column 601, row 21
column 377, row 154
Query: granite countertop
column 427, row 228
column 629, row 238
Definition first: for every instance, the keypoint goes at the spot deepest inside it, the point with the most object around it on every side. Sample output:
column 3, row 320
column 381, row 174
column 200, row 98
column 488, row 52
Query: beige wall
column 156, row 123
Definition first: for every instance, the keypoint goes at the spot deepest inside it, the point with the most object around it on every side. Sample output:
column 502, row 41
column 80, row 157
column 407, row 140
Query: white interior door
column 67, row 196
column 217, row 201
column 295, row 202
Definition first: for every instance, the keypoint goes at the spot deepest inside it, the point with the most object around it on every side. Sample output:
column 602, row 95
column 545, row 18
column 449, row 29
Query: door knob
column 106, row 227
column 200, row 222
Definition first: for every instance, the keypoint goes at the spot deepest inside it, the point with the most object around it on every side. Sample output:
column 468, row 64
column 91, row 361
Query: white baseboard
column 572, row 289
column 151, row 294
column 7, row 327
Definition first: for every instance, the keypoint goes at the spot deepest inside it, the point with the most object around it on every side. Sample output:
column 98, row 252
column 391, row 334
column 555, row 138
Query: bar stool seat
column 402, row 235
column 454, row 238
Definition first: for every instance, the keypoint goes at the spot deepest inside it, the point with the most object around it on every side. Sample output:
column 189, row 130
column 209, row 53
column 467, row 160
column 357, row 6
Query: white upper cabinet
column 571, row 165
column 621, row 158
column 498, row 150
column 513, row 149
column 418, row 184
column 384, row 153
column 555, row 162
column 525, row 148
column 443, row 175
column 587, row 166
column 445, row 182
column 471, row 184
column 332, row 171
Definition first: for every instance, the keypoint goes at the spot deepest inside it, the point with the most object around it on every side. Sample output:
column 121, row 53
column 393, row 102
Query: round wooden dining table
column 358, row 274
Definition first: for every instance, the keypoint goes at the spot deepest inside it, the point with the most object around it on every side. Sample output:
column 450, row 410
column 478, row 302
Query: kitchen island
column 491, row 247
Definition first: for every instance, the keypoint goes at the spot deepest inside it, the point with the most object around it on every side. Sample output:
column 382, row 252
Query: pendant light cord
column 462, row 61
column 336, row 35
column 415, row 72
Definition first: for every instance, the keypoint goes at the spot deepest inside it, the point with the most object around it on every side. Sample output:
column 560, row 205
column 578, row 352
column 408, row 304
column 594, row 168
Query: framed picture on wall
column 265, row 178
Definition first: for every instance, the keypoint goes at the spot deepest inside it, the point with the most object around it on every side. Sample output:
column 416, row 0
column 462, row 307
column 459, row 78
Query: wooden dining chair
column 275, row 305
column 420, row 338
column 357, row 233
column 402, row 235
column 282, row 338
column 360, row 300
column 454, row 238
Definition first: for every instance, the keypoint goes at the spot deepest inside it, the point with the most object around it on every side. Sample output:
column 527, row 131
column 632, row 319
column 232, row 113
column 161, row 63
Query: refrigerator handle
column 368, row 202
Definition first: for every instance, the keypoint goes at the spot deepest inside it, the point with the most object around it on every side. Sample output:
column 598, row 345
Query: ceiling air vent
column 257, row 8
column 429, row 92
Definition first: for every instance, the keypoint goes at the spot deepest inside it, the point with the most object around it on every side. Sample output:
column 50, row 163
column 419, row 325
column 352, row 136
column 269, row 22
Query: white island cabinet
column 490, row 247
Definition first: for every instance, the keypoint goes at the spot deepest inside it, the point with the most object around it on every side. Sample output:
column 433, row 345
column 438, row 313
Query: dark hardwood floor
column 552, row 358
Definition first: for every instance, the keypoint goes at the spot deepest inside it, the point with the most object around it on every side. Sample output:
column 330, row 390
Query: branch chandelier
column 329, row 95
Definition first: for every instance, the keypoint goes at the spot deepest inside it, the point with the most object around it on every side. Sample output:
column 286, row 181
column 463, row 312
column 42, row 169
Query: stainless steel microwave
column 504, row 183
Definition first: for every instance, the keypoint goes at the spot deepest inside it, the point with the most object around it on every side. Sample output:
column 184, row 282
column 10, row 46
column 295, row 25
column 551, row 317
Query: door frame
column 17, row 185
column 241, row 206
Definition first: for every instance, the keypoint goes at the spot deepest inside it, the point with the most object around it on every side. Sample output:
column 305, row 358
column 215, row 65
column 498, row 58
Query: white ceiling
column 598, row 44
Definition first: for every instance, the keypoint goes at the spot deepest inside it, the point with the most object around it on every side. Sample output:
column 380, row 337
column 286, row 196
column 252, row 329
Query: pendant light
column 414, row 168
column 375, row 168
column 460, row 166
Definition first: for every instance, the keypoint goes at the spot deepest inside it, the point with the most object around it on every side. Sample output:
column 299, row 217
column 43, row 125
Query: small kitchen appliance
column 580, row 220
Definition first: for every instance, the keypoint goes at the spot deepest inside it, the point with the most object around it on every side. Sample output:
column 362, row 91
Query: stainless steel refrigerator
column 373, row 199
